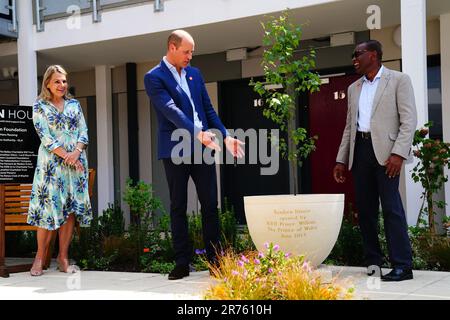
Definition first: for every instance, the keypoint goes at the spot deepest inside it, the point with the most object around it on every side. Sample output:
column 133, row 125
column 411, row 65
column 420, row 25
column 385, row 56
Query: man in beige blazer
column 381, row 121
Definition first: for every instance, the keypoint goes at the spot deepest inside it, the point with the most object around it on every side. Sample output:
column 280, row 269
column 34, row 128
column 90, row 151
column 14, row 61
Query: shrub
column 348, row 249
column 434, row 157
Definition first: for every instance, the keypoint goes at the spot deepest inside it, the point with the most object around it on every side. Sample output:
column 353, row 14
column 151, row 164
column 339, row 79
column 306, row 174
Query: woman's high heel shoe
column 36, row 269
column 64, row 266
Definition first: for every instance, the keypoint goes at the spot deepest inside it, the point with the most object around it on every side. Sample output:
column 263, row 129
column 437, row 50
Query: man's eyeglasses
column 356, row 54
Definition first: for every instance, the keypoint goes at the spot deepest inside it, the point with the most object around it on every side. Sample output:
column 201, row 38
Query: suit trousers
column 372, row 184
column 205, row 180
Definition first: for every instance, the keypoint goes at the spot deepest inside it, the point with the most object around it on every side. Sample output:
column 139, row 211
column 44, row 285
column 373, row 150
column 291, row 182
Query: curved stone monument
column 305, row 224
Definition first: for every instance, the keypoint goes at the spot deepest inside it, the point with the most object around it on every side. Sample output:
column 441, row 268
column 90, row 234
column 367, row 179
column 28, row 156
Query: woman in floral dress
column 60, row 186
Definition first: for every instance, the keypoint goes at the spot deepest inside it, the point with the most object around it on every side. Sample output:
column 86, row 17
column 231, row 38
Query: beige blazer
column 393, row 121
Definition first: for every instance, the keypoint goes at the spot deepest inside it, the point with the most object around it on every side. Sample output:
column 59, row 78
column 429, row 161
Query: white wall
column 145, row 21
column 393, row 52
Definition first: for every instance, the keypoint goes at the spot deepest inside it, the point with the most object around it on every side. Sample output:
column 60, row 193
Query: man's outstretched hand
column 235, row 147
column 208, row 139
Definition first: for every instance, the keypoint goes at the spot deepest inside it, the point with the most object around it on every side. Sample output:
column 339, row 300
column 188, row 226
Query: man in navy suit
column 178, row 94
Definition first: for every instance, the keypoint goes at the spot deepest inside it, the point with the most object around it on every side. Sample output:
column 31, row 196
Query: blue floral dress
column 58, row 189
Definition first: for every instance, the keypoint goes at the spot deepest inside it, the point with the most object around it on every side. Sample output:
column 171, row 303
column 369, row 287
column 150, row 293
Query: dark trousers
column 204, row 177
column 372, row 184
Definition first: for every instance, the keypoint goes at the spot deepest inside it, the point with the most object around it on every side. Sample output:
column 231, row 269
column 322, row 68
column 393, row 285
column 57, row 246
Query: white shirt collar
column 172, row 68
column 378, row 76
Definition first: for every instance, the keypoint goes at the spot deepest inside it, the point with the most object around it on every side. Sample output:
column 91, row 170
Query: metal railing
column 45, row 10
column 8, row 18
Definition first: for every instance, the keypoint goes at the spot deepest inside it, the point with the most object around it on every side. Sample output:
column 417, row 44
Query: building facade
column 108, row 45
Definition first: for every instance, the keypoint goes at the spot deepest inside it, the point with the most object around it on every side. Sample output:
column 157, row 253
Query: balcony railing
column 57, row 9
column 8, row 20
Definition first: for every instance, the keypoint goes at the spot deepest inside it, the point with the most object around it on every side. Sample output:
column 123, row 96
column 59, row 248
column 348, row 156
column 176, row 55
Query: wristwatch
column 79, row 149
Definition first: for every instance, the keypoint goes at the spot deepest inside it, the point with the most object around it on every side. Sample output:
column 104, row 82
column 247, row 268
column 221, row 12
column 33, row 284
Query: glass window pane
column 60, row 6
column 435, row 101
column 106, row 2
column 3, row 10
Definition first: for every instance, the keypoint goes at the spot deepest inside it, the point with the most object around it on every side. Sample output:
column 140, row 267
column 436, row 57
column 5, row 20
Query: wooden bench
column 14, row 203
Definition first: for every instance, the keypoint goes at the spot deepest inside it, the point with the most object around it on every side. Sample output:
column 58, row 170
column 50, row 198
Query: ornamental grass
column 272, row 275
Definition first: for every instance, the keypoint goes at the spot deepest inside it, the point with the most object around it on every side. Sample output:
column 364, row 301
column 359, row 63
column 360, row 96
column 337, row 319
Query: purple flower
column 266, row 245
column 287, row 255
column 260, row 255
column 240, row 263
column 200, row 251
column 234, row 273
column 306, row 267
column 244, row 259
column 257, row 261
column 270, row 270
column 276, row 247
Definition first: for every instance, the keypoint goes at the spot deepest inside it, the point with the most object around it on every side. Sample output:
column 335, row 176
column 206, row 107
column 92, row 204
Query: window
column 435, row 96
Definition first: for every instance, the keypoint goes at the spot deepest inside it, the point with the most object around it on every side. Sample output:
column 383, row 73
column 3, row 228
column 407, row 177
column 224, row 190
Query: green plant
column 281, row 67
column 142, row 204
column 195, row 230
column 228, row 225
column 348, row 249
column 111, row 222
column 433, row 156
column 157, row 266
column 243, row 240
column 228, row 228
column 88, row 247
column 431, row 251
column 272, row 275
column 20, row 244
column 141, row 200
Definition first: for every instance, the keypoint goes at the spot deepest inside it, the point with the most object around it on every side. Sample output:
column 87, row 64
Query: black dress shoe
column 374, row 270
column 398, row 274
column 180, row 271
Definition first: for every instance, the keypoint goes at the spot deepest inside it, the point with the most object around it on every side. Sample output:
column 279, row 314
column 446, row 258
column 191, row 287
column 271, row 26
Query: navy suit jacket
column 174, row 109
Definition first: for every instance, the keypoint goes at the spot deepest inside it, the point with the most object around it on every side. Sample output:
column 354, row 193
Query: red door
column 328, row 113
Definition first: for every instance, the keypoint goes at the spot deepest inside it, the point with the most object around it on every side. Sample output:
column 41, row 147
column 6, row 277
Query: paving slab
column 103, row 285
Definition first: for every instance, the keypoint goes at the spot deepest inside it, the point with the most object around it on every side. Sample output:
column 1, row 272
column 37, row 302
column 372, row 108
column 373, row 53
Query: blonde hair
column 45, row 92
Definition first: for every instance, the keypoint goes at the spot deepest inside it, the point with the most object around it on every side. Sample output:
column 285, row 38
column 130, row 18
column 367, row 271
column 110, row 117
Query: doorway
column 239, row 109
column 324, row 117
column 327, row 117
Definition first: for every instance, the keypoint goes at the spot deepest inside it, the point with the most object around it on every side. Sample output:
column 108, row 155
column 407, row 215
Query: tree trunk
column 292, row 125
column 430, row 212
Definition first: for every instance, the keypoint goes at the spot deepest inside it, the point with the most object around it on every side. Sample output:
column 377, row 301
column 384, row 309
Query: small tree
column 434, row 156
column 141, row 200
column 142, row 206
column 281, row 67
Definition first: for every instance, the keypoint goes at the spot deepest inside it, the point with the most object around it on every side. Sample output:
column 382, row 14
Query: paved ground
column 137, row 286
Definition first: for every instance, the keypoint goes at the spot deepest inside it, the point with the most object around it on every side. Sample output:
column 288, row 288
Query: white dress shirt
column 368, row 91
column 181, row 80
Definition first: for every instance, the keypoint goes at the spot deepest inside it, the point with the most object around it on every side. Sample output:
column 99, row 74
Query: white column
column 105, row 171
column 445, row 88
column 414, row 61
column 27, row 63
